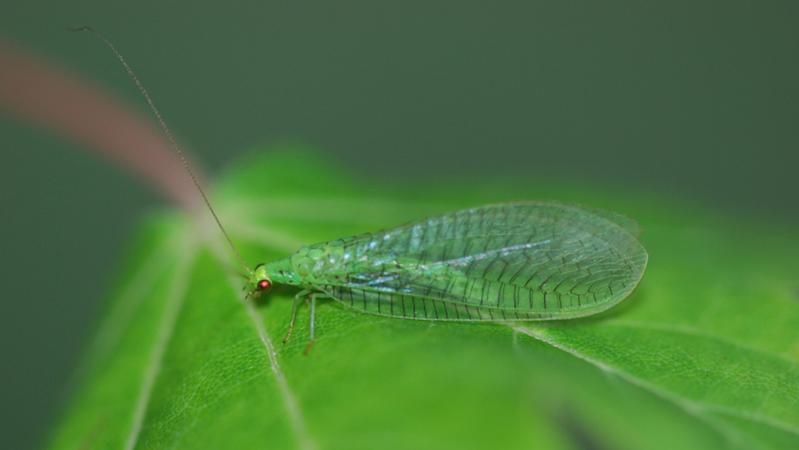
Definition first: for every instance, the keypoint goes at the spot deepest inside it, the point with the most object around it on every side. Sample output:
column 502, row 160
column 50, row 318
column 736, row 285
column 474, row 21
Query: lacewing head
column 258, row 281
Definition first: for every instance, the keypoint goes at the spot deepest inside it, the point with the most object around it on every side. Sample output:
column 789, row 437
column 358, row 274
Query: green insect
column 504, row 262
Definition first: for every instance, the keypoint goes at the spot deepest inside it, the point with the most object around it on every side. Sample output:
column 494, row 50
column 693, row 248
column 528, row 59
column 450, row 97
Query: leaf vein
column 172, row 309
column 691, row 331
column 694, row 408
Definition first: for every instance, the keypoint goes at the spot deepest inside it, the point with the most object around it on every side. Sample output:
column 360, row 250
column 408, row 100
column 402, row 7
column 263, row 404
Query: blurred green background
column 697, row 100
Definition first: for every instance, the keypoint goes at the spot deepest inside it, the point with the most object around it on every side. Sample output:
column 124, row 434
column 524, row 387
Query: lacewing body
column 504, row 262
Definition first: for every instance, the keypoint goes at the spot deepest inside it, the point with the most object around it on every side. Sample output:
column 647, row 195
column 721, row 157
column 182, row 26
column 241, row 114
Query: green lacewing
column 503, row 262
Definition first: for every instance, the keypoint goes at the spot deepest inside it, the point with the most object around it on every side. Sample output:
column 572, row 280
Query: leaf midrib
column 296, row 418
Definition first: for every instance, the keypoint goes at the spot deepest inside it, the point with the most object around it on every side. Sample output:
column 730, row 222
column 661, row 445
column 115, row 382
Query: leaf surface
column 704, row 354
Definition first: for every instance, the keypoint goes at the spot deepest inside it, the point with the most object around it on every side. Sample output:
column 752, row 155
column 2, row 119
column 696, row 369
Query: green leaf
column 703, row 355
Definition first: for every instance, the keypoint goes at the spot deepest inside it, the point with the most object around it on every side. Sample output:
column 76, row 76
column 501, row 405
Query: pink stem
column 56, row 100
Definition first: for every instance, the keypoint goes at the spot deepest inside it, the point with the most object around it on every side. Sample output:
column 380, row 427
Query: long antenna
column 169, row 136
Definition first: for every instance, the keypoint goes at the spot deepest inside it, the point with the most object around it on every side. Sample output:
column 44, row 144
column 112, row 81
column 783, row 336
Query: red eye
column 264, row 285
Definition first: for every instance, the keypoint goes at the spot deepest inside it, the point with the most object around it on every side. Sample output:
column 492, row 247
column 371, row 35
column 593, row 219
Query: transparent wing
column 516, row 261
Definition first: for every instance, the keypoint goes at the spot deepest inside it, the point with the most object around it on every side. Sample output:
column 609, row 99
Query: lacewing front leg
column 294, row 307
